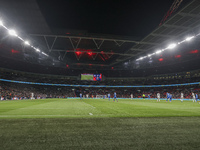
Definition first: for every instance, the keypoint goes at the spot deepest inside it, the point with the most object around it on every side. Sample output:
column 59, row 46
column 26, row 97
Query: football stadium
column 99, row 74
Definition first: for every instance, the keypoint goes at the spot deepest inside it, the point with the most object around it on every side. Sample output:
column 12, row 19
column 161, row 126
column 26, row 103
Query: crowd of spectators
column 24, row 91
column 9, row 90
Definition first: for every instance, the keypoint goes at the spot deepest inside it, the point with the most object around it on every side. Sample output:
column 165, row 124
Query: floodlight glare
column 12, row 32
column 171, row 46
column 158, row 52
column 141, row 58
column 149, row 55
column 37, row 50
column 189, row 38
column 27, row 43
column 1, row 23
column 44, row 54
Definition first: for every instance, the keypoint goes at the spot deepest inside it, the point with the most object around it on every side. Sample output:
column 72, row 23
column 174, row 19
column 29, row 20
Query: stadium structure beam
column 98, row 45
column 87, row 64
column 95, row 38
column 189, row 15
column 47, row 43
column 137, row 49
column 175, row 26
column 119, row 44
column 107, row 53
column 162, row 35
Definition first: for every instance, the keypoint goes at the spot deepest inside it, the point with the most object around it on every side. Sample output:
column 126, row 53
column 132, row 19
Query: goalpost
column 101, row 96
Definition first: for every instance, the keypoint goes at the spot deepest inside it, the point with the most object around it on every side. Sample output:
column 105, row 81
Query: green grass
column 99, row 124
column 92, row 108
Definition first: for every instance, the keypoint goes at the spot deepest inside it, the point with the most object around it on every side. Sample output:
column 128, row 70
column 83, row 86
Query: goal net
column 101, row 96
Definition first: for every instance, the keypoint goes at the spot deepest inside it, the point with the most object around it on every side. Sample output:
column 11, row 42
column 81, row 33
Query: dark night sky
column 119, row 17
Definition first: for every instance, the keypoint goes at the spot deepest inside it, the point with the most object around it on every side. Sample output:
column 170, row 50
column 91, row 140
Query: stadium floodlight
column 44, row 54
column 140, row 58
column 171, row 46
column 37, row 50
column 149, row 55
column 12, row 32
column 27, row 42
column 20, row 38
column 189, row 38
column 1, row 23
column 158, row 52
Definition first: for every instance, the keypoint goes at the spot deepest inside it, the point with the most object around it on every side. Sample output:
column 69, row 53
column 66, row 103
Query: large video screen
column 87, row 77
column 91, row 77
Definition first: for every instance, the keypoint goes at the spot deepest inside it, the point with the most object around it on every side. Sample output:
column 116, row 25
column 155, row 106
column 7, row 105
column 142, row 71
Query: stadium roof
column 82, row 48
column 77, row 47
column 185, row 22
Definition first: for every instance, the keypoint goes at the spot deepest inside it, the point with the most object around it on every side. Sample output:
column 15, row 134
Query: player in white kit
column 158, row 97
column 193, row 96
column 182, row 96
column 131, row 96
column 32, row 95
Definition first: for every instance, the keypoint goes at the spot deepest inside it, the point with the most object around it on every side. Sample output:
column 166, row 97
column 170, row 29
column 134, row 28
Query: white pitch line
column 89, row 105
column 3, row 116
column 43, row 108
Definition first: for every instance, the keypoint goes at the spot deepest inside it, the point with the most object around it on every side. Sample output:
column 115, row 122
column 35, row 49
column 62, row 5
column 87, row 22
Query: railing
column 128, row 86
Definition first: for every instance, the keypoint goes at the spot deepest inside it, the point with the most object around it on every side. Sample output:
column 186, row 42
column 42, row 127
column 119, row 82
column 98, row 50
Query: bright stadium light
column 1, row 23
column 189, row 38
column 27, row 42
column 12, row 32
column 20, row 38
column 37, row 50
column 44, row 54
column 171, row 46
column 158, row 52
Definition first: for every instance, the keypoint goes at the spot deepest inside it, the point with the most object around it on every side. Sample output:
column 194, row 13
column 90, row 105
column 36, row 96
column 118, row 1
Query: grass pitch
column 99, row 124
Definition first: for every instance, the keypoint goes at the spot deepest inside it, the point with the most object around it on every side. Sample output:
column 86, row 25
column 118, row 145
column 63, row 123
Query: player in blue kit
column 109, row 96
column 81, row 98
column 115, row 97
column 149, row 97
column 168, row 96
column 196, row 97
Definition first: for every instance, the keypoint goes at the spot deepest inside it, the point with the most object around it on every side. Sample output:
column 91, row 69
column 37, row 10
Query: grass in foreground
column 98, row 124
column 100, row 133
column 66, row 108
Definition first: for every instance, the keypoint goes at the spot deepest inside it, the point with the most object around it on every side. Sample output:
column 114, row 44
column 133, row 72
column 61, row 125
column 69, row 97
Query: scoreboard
column 97, row 77
column 91, row 77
